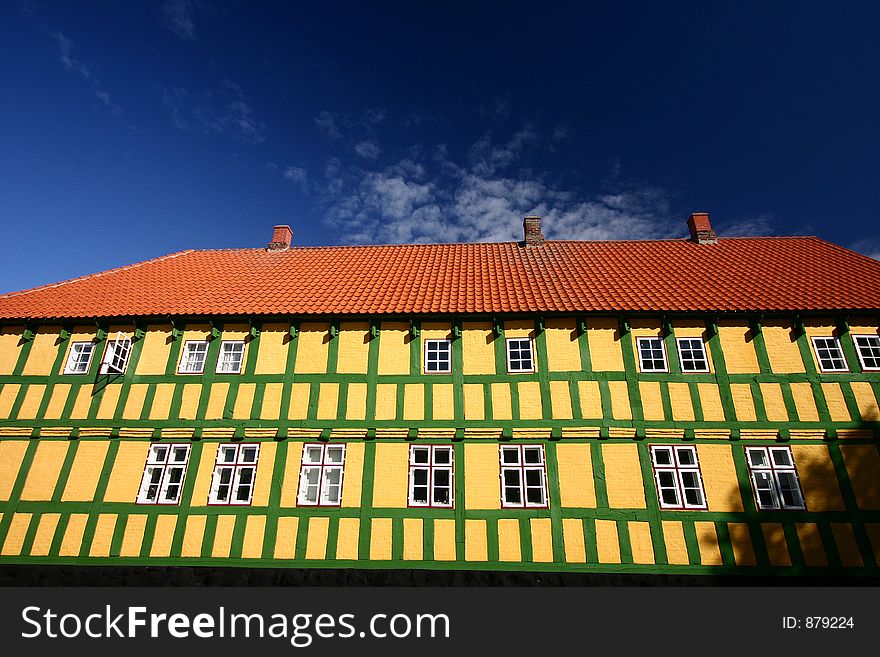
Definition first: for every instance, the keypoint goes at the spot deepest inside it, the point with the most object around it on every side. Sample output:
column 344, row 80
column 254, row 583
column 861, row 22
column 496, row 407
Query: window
column 193, row 359
column 80, row 358
column 830, row 355
column 320, row 479
column 868, row 347
column 234, row 474
column 430, row 475
column 438, row 356
column 231, row 357
column 116, row 355
column 774, row 478
column 523, row 480
column 652, row 355
column 692, row 355
column 677, row 472
column 519, row 355
column 164, row 473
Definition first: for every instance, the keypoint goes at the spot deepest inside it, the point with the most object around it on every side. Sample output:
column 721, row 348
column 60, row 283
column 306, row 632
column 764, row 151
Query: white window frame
column 855, row 339
column 189, row 357
column 678, row 469
column 681, row 359
column 323, row 467
column 432, row 467
column 237, row 460
column 448, row 369
column 116, row 355
column 773, row 473
column 163, row 459
column 662, row 342
column 223, row 350
column 521, row 468
column 74, row 357
column 835, row 345
column 531, row 344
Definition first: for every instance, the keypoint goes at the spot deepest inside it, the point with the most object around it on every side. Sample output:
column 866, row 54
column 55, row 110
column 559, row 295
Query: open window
column 116, row 355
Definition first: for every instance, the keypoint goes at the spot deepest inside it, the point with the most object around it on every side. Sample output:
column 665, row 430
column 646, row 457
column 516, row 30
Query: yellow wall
column 311, row 350
column 563, row 353
column 391, row 475
column 272, row 352
column 85, row 471
column 863, row 466
column 575, row 475
column 155, row 350
column 782, row 348
column 482, row 472
column 43, row 473
column 738, row 347
column 10, row 348
column 394, row 348
column 354, row 347
column 604, row 342
column 478, row 348
column 43, row 352
column 719, row 477
column 818, row 481
column 11, row 455
column 128, row 468
column 623, row 476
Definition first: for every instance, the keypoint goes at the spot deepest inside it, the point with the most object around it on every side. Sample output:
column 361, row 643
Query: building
column 690, row 406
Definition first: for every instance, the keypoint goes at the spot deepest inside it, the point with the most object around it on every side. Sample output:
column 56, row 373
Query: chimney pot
column 282, row 236
column 532, row 235
column 701, row 229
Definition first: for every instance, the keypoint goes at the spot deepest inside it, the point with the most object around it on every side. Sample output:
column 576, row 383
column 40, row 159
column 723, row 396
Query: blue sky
column 130, row 130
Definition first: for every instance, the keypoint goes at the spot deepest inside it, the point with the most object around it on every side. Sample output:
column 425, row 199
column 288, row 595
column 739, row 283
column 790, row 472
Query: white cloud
column 177, row 15
column 367, row 149
column 298, row 176
column 746, row 227
column 75, row 66
column 220, row 111
column 869, row 247
column 327, row 123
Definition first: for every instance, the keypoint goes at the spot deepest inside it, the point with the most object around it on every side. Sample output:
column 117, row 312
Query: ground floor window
column 523, row 476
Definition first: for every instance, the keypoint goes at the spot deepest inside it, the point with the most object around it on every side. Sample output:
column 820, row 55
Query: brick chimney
column 701, row 229
column 281, row 239
column 532, row 235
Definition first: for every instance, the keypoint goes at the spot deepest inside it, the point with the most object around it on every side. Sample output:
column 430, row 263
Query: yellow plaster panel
column 44, row 470
column 444, row 403
column 354, row 347
column 43, row 352
column 475, row 541
column 413, row 401
column 542, row 540
column 530, row 407
column 850, row 557
column 805, row 402
column 738, row 347
column 57, row 401
column 782, row 348
column 10, row 348
column 774, row 404
column 607, row 542
column 573, row 537
column 189, row 401
column 620, row 406
column 353, row 475
column 819, row 327
column 560, row 400
column 719, row 477
column 313, row 341
column 272, row 349
column 474, row 408
column 591, row 400
column 128, row 469
column 252, row 543
column 285, row 537
column 163, row 536
column 604, row 341
column 652, row 402
column 291, row 475
column 271, row 405
column 436, row 331
column 85, row 471
column 134, row 404
column 811, row 544
column 356, row 403
column 45, row 534
column 103, row 537
column 743, row 404
column 623, row 476
column 347, row 538
column 7, row 398
column 390, row 488
column 11, row 455
column 73, row 535
column 380, row 539
column 478, row 348
column 710, row 402
column 244, row 401
column 680, row 399
column 328, row 401
column 836, row 403
column 133, row 539
column 508, row 540
column 482, row 471
column 386, row 401
column 444, row 539
column 265, row 467
column 519, row 328
column 863, row 325
column 640, row 542
column 741, row 541
column 862, row 465
column 216, row 401
column 204, row 474
column 235, row 332
column 162, row 401
column 777, row 546
column 316, row 540
column 394, row 348
column 818, row 480
column 563, row 353
column 15, row 534
column 299, row 401
column 31, row 403
column 83, row 401
column 575, row 473
column 413, row 535
column 155, row 350
column 676, row 547
column 865, row 400
column 707, row 540
column 193, row 535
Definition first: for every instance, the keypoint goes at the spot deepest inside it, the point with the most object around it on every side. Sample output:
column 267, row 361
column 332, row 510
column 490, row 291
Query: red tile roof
column 736, row 274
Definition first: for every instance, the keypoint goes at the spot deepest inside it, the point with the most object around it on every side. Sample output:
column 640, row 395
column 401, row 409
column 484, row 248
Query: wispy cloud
column 298, row 176
column 86, row 72
column 177, row 16
column 215, row 111
column 328, row 124
column 746, row 227
column 368, row 149
column 869, row 247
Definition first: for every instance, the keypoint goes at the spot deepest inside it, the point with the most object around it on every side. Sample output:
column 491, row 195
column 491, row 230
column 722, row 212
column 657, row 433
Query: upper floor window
column 523, row 478
column 231, row 357
column 320, row 478
column 116, row 355
column 677, row 472
column 652, row 355
column 234, row 474
column 829, row 354
column 438, row 357
column 80, row 358
column 430, row 475
column 164, row 473
column 774, row 478
column 692, row 355
column 192, row 361
column 868, row 347
column 520, row 355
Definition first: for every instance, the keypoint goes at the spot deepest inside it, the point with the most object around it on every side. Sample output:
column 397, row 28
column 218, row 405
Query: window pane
column 534, row 477
column 420, row 494
column 511, row 477
column 533, row 455
column 510, row 455
column 686, row 456
column 420, row 476
column 441, row 496
column 512, row 495
column 442, row 456
column 669, row 496
column 227, row 454
column 662, row 456
column 313, row 454
column 335, row 454
column 535, row 495
column 441, row 477
column 421, row 455
column 248, row 454
column 781, row 457
column 758, row 458
column 179, row 455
